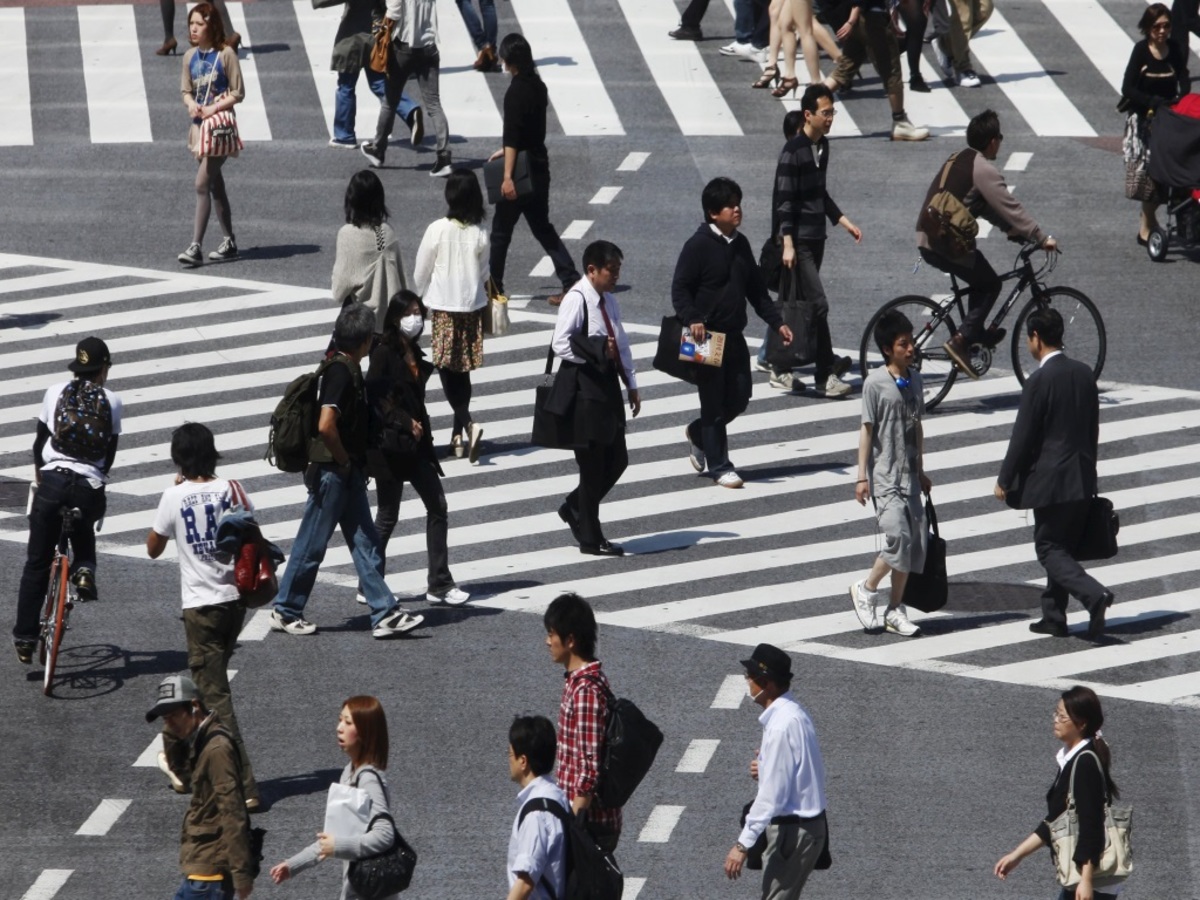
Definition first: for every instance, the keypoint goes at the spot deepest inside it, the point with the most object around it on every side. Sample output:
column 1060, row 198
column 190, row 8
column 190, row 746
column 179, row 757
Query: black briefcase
column 493, row 177
column 551, row 428
column 1099, row 539
column 929, row 589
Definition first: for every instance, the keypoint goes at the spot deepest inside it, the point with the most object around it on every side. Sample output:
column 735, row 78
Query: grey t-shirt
column 893, row 414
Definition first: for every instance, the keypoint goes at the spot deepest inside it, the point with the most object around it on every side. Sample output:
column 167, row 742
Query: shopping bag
column 801, row 317
column 347, row 811
column 929, row 589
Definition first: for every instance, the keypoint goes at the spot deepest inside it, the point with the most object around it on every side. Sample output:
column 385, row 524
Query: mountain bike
column 934, row 324
column 61, row 597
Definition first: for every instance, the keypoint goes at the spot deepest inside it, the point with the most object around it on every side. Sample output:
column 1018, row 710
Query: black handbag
column 800, row 316
column 1099, row 540
column 929, row 589
column 493, row 177
column 376, row 877
column 666, row 356
column 552, row 428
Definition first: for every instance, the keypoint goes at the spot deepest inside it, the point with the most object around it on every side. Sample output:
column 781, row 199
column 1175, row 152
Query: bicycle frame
column 1026, row 277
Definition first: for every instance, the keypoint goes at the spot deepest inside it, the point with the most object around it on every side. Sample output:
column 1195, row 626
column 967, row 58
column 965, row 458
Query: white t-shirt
column 90, row 469
column 188, row 512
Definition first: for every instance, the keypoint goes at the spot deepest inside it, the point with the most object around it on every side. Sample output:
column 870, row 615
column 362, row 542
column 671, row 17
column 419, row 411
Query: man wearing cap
column 73, row 452
column 215, row 853
column 789, row 808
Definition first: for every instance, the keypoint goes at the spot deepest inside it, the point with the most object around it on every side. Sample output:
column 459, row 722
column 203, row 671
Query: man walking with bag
column 1050, row 467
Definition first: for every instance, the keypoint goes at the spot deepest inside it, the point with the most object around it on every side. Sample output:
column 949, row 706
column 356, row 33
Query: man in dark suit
column 1050, row 467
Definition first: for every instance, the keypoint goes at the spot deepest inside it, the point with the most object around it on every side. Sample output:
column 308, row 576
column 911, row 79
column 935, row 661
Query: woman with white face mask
column 402, row 441
column 450, row 274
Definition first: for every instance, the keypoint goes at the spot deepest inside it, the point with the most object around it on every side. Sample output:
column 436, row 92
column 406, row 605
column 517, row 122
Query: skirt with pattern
column 457, row 340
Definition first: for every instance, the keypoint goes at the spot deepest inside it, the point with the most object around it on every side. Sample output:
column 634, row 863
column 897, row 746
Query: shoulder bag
column 1116, row 862
column 495, row 314
column 948, row 223
column 1099, row 540
column 552, row 428
column 631, row 743
column 382, row 30
column 254, row 568
column 800, row 315
column 390, row 872
column 929, row 589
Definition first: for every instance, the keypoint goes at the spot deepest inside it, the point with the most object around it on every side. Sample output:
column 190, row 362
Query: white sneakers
column 968, row 78
column 398, row 621
column 695, row 453
column 833, row 387
column 292, row 626
column 737, row 48
column 864, row 605
column 782, row 381
column 905, row 130
column 730, row 479
column 895, row 620
column 454, row 597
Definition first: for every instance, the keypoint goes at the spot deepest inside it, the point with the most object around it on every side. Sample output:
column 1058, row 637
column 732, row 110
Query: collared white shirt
column 539, row 846
column 1049, row 356
column 579, row 313
column 1064, row 755
column 791, row 773
column 728, row 238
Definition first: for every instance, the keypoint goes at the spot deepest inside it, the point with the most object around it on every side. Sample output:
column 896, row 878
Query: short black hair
column 517, row 54
column 890, row 326
column 1153, row 13
column 569, row 615
column 812, row 95
column 718, row 194
column 355, row 323
column 983, row 129
column 194, row 450
column 364, row 200
column 533, row 737
column 601, row 254
column 464, row 199
column 1047, row 323
column 792, row 123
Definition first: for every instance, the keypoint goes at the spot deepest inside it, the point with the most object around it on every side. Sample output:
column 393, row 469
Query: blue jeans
column 335, row 500
column 204, row 890
column 482, row 33
column 345, row 106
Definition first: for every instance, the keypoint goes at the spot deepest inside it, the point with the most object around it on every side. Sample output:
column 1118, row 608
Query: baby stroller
column 1175, row 167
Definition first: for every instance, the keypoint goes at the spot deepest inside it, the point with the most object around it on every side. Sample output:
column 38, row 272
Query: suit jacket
column 1051, row 455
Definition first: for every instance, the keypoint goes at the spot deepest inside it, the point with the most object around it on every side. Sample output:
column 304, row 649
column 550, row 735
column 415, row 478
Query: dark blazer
column 397, row 399
column 1051, row 455
column 1092, row 792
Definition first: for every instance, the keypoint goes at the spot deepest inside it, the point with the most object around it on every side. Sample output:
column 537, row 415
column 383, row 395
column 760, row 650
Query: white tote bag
column 347, row 811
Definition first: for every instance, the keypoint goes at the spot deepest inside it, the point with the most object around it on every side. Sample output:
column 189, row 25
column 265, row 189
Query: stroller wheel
column 1158, row 244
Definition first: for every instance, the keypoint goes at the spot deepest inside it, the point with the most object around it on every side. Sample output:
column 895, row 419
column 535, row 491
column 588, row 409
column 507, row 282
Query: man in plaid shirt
column 583, row 714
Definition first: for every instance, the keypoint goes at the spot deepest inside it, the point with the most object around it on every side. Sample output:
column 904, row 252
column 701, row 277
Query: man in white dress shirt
column 537, row 848
column 790, row 806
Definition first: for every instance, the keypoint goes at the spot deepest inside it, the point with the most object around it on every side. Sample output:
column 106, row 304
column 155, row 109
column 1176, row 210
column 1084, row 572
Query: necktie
column 608, row 325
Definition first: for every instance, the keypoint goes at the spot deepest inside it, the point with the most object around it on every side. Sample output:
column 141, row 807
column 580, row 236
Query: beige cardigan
column 361, row 272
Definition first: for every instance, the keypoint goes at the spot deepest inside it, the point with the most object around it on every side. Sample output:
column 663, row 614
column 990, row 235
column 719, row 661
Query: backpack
column 83, row 421
column 631, row 742
column 946, row 221
column 294, row 422
column 592, row 873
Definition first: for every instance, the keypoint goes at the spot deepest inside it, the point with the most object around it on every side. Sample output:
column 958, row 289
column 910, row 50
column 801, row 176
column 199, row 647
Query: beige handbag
column 495, row 314
column 1116, row 862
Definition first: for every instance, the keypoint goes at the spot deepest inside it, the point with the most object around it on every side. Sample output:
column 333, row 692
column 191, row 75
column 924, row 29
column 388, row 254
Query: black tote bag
column 552, row 428
column 666, row 356
column 799, row 315
column 929, row 589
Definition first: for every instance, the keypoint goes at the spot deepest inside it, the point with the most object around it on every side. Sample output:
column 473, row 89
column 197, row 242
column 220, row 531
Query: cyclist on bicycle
column 979, row 186
column 74, row 449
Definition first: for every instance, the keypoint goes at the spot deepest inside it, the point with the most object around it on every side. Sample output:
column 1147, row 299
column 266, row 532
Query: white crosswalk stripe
column 792, row 524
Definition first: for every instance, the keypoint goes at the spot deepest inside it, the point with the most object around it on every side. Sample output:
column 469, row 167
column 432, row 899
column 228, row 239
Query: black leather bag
column 376, row 877
column 631, row 742
column 493, row 177
column 770, row 262
column 929, row 589
column 666, row 356
column 801, row 317
column 553, row 427
column 1099, row 539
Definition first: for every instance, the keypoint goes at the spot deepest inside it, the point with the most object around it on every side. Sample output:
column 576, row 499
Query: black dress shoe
column 1096, row 622
column 606, row 548
column 1042, row 626
column 686, row 33
column 568, row 516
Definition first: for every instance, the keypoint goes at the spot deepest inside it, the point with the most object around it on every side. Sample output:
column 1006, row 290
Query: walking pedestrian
column 362, row 734
column 169, row 44
column 215, row 853
column 367, row 265
column 714, row 277
column 450, row 273
column 582, row 714
column 337, row 491
column 352, row 55
column 1050, row 467
column 211, row 84
column 412, row 53
column 537, row 845
column 596, row 360
column 77, row 432
column 915, row 16
column 213, row 611
column 483, row 29
column 1084, row 762
column 789, row 807
column 525, row 104
column 953, row 49
column 403, row 449
column 891, row 471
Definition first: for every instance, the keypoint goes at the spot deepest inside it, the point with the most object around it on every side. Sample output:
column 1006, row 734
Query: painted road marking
column 48, row 884
column 633, row 162
column 104, row 817
column 697, row 756
column 731, row 692
column 660, row 824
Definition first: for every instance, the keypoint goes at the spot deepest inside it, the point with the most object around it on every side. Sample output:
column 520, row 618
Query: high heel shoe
column 786, row 86
column 168, row 47
column 769, row 76
column 233, row 41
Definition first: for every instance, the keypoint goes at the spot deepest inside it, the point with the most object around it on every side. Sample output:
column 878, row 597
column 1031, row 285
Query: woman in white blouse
column 450, row 274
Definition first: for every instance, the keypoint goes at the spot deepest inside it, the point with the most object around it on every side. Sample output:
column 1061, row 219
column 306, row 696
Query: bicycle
column 933, row 326
column 61, row 597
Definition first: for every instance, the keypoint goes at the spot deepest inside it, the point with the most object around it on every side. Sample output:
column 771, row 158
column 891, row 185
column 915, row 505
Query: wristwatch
column 738, row 846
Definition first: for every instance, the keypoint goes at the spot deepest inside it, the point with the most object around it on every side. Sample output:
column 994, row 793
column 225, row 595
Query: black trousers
column 985, row 287
column 807, row 268
column 58, row 488
column 600, row 468
column 724, row 395
column 428, row 485
column 1056, row 532
column 535, row 207
column 694, row 13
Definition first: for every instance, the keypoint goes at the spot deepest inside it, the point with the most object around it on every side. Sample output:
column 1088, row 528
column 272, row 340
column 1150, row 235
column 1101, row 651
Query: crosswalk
column 769, row 562
column 703, row 93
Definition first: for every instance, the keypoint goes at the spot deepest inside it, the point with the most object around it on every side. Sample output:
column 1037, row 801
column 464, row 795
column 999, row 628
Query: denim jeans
column 205, row 890
column 335, row 500
column 483, row 33
column 345, row 106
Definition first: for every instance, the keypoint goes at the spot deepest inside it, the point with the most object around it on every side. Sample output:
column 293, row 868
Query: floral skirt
column 457, row 340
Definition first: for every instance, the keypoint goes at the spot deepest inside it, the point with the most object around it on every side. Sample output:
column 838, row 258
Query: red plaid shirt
column 581, row 720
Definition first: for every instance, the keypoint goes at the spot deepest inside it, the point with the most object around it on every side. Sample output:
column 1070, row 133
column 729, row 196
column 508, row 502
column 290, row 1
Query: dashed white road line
column 606, row 195
column 104, row 818
column 660, row 824
column 543, row 269
column 632, row 163
column 1018, row 161
column 633, row 887
column 48, row 884
column 697, row 755
column 576, row 229
column 731, row 692
column 258, row 626
column 149, row 757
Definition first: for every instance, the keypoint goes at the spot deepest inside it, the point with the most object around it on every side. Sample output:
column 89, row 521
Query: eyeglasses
column 1061, row 717
column 827, row 113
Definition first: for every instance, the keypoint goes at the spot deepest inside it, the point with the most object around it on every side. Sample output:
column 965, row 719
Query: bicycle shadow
column 87, row 671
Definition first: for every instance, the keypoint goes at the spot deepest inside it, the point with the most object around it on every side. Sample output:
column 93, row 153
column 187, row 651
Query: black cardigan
column 1091, row 793
column 1144, row 90
column 713, row 280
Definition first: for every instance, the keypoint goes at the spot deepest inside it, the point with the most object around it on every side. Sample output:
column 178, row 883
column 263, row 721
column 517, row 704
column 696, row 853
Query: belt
column 793, row 820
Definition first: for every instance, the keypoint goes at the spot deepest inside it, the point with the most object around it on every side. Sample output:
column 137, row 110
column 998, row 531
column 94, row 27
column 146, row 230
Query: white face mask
column 411, row 326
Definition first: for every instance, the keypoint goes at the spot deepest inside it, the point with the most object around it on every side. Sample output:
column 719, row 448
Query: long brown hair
column 366, row 713
column 216, row 28
column 1083, row 708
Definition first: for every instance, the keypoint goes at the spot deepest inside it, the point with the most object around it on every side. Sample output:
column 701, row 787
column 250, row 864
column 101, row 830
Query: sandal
column 769, row 76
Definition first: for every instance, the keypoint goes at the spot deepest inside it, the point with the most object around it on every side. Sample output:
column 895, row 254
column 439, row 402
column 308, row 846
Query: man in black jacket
column 1050, row 467
column 715, row 275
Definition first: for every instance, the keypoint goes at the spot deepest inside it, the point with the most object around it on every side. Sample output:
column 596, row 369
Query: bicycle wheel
column 930, row 332
column 53, row 587
column 55, row 622
column 1084, row 337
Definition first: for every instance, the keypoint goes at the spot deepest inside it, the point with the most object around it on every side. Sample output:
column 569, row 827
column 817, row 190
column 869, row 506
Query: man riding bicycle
column 970, row 176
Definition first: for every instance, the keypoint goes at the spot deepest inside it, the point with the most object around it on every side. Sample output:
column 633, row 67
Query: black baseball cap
column 91, row 355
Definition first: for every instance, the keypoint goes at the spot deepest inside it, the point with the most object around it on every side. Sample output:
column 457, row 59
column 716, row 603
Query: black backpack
column 83, row 421
column 592, row 873
column 294, row 422
column 631, row 742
